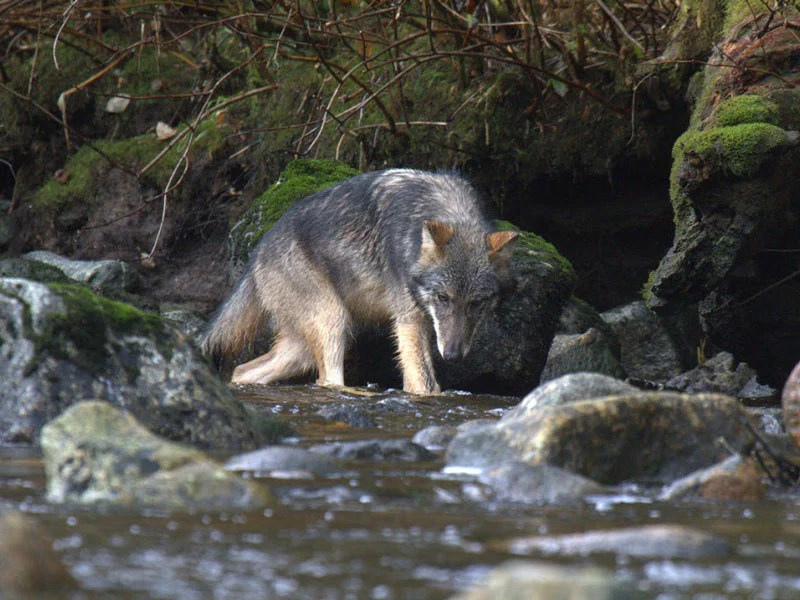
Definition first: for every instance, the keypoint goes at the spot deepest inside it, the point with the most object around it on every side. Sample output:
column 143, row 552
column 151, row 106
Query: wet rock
column 95, row 452
column 285, row 458
column 435, row 437
column 376, row 450
column 516, row 579
column 768, row 420
column 649, row 350
column 185, row 320
column 587, row 352
column 102, row 275
column 735, row 478
column 538, row 484
column 649, row 436
column 720, row 374
column 32, row 269
column 63, row 344
column 571, row 388
column 579, row 316
column 348, row 414
column 28, row 565
column 667, row 541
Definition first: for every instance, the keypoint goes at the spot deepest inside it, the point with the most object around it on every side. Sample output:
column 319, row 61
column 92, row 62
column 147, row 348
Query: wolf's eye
column 442, row 298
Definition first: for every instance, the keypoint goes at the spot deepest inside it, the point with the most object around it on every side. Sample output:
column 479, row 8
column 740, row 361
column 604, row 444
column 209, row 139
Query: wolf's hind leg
column 414, row 354
column 288, row 357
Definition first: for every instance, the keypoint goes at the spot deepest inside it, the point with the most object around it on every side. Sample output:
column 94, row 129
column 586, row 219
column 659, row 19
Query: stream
column 384, row 531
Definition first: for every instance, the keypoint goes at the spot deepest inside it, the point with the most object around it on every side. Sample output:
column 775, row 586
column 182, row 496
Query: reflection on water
column 386, row 531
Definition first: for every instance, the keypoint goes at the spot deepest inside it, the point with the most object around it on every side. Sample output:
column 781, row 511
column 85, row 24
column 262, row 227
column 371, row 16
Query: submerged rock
column 348, row 414
column 528, row 580
column 538, row 484
column 735, row 478
column 28, row 565
column 649, row 436
column 573, row 387
column 376, row 450
column 668, row 541
column 63, row 344
column 435, row 437
column 95, row 452
column 102, row 275
column 285, row 458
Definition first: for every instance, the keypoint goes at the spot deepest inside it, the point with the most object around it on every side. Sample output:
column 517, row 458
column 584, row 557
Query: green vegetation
column 748, row 108
column 85, row 166
column 738, row 149
column 534, row 247
column 301, row 178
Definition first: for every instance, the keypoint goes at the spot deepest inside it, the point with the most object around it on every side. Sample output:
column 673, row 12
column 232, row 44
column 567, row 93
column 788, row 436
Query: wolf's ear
column 501, row 244
column 435, row 236
column 501, row 247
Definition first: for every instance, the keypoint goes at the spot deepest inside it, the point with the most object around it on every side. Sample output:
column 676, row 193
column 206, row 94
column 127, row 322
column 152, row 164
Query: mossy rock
column 61, row 343
column 739, row 149
column 534, row 248
column 748, row 108
column 300, row 178
column 95, row 452
column 85, row 166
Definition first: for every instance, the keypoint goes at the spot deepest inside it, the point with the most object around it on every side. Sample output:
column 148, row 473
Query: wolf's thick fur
column 401, row 246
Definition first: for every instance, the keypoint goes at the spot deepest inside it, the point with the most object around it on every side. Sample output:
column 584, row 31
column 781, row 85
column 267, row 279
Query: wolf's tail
column 238, row 322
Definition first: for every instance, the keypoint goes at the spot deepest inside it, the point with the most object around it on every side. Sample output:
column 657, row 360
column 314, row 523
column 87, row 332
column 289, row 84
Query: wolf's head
column 457, row 280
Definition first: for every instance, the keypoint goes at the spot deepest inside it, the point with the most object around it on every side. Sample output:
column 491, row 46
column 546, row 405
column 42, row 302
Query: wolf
column 401, row 246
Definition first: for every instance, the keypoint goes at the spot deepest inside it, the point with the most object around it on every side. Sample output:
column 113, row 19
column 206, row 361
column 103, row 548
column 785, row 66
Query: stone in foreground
column 95, row 452
column 651, row 437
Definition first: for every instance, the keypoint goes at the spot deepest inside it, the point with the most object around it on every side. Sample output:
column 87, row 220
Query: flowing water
column 385, row 531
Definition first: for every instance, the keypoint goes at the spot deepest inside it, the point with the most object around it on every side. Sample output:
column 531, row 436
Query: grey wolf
column 406, row 247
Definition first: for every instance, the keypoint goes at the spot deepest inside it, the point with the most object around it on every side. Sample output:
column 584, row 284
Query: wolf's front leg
column 414, row 353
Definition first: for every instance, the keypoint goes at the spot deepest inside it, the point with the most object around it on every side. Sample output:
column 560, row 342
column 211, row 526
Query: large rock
column 734, row 195
column 649, row 436
column 29, row 568
column 62, row 344
column 588, row 352
column 101, row 275
column 95, row 452
column 650, row 350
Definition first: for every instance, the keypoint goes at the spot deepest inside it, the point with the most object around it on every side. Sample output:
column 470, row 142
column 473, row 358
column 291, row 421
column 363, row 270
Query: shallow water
column 387, row 531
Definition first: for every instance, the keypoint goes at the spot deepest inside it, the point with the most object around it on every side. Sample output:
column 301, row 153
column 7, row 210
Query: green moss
column 301, row 178
column 82, row 334
column 536, row 248
column 85, row 166
column 647, row 288
column 748, row 108
column 739, row 149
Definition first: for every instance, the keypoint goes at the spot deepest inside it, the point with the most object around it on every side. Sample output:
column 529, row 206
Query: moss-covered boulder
column 300, row 178
column 60, row 343
column 645, row 437
column 95, row 452
column 733, row 192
